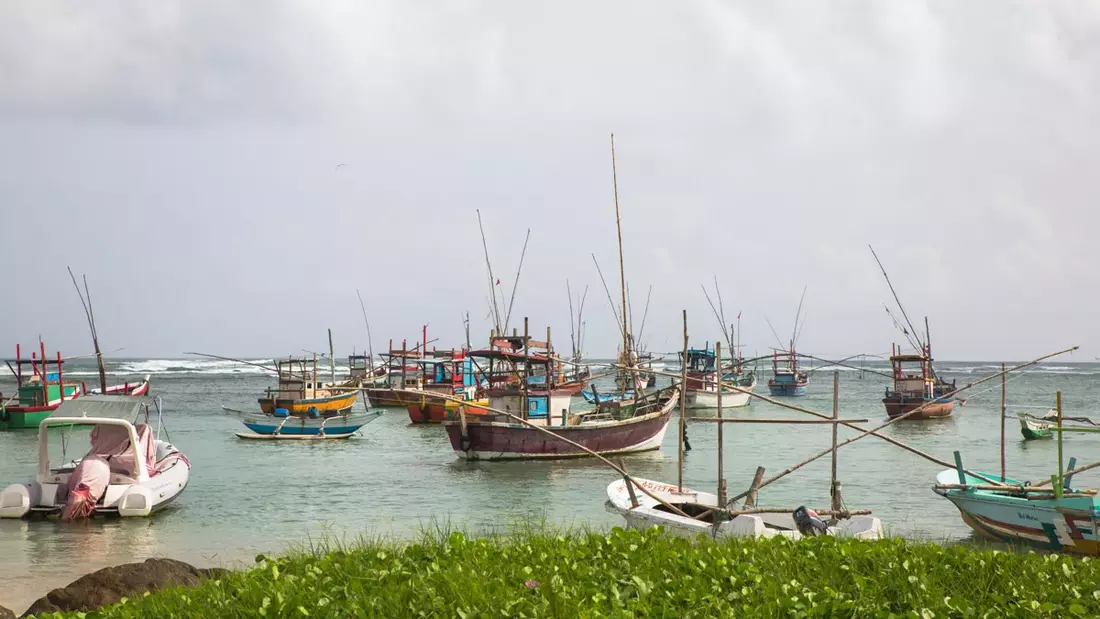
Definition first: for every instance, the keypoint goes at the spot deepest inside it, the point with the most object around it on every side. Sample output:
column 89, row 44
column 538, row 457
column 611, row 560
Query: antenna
column 612, row 303
column 645, row 314
column 508, row 316
column 794, row 335
column 370, row 340
column 489, row 267
column 916, row 333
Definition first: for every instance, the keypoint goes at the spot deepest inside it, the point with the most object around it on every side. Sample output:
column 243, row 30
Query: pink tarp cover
column 87, row 483
column 113, row 443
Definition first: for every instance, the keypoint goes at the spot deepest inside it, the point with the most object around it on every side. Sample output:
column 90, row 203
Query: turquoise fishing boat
column 1020, row 512
column 1048, row 514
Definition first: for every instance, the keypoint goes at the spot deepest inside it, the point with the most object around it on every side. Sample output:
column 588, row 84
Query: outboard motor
column 808, row 522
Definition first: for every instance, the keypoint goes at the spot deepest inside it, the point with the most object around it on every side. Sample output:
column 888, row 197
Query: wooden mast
column 622, row 267
column 90, row 314
column 718, row 379
column 331, row 358
column 683, row 407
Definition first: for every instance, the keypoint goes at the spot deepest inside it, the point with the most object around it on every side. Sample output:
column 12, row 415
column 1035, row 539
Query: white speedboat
column 706, row 394
column 128, row 471
column 702, row 505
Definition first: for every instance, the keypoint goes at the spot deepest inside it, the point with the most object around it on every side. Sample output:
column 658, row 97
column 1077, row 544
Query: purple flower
column 531, row 584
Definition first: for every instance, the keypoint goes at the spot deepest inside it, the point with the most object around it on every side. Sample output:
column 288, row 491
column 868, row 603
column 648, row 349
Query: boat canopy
column 109, row 406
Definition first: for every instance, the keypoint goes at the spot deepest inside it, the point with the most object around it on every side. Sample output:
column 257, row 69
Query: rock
column 110, row 584
column 6, row 614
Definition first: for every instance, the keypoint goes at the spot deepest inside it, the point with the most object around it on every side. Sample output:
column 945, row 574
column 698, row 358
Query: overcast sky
column 184, row 155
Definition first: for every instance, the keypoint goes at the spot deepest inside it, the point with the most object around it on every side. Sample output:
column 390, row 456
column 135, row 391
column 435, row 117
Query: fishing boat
column 128, row 471
column 704, row 515
column 282, row 425
column 787, row 378
column 300, row 391
column 451, row 374
column 617, row 427
column 1033, row 427
column 593, row 396
column 702, row 382
column 1019, row 512
column 519, row 375
column 403, row 377
column 916, row 384
column 41, row 388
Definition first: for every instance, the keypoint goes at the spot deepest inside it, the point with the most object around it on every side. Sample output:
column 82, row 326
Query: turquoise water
column 247, row 497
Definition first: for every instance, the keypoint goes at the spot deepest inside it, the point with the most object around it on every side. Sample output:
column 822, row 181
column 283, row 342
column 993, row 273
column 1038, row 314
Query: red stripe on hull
column 516, row 441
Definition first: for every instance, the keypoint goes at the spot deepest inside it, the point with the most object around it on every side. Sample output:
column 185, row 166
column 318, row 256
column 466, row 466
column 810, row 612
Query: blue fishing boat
column 787, row 379
column 311, row 426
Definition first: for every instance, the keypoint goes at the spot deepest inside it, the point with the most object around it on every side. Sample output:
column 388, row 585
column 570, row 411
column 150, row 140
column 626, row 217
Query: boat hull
column 488, row 440
column 897, row 406
column 392, row 398
column 648, row 513
column 330, row 405
column 25, row 417
column 439, row 410
column 709, row 399
column 296, row 427
column 786, row 390
column 1034, row 429
column 1063, row 525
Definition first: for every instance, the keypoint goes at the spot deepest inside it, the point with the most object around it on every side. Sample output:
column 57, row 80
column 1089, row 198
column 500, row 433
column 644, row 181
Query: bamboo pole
column 874, row 431
column 1036, row 488
column 1061, row 463
column 1003, row 400
column 750, row 498
column 785, row 510
column 683, row 411
column 673, row 508
column 724, row 420
column 834, row 486
column 916, row 410
column 721, row 462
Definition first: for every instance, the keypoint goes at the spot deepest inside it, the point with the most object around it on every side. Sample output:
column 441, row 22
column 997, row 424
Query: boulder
column 110, row 584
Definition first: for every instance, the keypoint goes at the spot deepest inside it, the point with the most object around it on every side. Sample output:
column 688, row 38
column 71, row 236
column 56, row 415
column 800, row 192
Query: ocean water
column 248, row 497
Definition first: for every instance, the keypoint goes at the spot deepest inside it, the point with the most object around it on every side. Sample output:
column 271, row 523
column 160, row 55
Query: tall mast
column 622, row 268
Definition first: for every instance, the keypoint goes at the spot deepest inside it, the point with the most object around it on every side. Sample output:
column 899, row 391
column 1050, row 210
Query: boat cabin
column 914, row 376
column 40, row 382
column 521, row 375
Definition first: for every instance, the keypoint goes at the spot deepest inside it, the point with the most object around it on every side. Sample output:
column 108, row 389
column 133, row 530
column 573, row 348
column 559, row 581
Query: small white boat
column 701, row 505
column 707, row 397
column 127, row 472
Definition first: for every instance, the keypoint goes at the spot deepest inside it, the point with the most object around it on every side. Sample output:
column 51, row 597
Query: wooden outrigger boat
column 521, row 384
column 300, row 391
column 702, row 382
column 404, row 377
column 1033, row 427
column 41, row 389
column 916, row 384
column 787, row 380
column 316, row 426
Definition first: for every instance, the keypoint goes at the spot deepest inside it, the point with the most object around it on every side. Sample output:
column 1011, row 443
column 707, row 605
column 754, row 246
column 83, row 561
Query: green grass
column 638, row 574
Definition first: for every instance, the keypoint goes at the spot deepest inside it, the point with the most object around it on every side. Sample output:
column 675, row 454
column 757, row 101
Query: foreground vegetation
column 630, row 573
